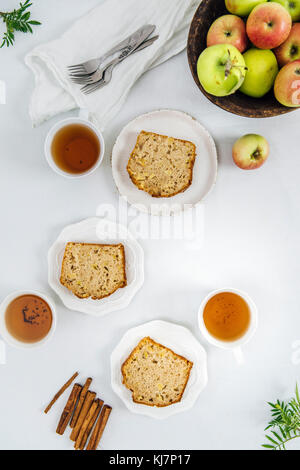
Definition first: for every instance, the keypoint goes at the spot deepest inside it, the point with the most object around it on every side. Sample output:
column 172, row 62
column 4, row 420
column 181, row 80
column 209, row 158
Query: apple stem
column 256, row 154
column 230, row 65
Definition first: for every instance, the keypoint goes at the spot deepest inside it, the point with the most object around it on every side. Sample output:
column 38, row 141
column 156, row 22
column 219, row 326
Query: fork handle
column 122, row 45
column 111, row 65
column 122, row 57
column 142, row 46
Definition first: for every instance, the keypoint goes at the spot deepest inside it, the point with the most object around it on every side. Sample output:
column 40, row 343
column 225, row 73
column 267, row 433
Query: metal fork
column 98, row 75
column 91, row 77
column 92, row 86
column 90, row 66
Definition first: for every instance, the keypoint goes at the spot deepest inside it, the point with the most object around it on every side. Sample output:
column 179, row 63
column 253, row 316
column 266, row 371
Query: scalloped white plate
column 181, row 341
column 175, row 124
column 97, row 230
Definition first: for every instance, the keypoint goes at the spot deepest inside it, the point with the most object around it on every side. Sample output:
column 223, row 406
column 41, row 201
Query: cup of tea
column 27, row 320
column 74, row 147
column 228, row 318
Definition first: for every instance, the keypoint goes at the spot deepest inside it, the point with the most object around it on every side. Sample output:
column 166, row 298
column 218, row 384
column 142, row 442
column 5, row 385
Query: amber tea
column 75, row 148
column 28, row 318
column 227, row 316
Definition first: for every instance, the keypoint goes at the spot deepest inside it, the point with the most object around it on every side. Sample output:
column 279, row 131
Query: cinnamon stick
column 85, row 423
column 90, row 425
column 90, row 396
column 68, row 409
column 60, row 392
column 80, row 402
column 99, row 428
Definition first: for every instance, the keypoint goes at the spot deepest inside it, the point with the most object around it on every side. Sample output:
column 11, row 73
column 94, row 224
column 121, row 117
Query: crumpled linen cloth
column 91, row 36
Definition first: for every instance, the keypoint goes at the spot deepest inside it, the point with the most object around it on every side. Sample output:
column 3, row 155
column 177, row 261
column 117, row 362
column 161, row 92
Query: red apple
column 290, row 49
column 268, row 25
column 287, row 85
column 228, row 29
column 250, row 151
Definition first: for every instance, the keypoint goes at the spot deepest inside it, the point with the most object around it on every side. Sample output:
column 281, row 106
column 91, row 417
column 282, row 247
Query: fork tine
column 91, row 90
column 90, row 87
column 78, row 80
column 80, row 75
column 84, row 78
column 82, row 81
column 77, row 71
column 87, row 86
column 82, row 70
column 75, row 66
column 95, row 88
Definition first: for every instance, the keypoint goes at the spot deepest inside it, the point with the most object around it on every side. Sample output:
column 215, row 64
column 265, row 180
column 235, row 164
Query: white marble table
column 251, row 242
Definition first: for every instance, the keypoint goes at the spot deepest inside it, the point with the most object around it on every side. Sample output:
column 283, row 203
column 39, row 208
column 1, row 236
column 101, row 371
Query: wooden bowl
column 238, row 103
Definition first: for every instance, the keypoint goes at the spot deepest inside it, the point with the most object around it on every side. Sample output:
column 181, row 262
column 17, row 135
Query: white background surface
column 252, row 223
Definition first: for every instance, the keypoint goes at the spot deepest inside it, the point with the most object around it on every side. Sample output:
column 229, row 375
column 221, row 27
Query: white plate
column 97, row 230
column 181, row 341
column 175, row 124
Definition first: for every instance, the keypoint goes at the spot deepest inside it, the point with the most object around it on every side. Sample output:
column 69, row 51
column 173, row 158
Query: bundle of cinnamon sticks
column 86, row 414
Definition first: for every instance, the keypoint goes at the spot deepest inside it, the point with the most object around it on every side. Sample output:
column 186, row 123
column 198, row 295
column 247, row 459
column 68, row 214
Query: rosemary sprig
column 285, row 423
column 17, row 20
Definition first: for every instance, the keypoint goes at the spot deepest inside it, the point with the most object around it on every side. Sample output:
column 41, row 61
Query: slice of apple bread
column 93, row 270
column 155, row 375
column 160, row 165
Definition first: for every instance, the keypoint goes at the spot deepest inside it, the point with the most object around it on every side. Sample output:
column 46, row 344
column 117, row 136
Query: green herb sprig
column 285, row 423
column 17, row 20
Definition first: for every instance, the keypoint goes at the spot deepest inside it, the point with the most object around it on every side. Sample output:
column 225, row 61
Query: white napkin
column 91, row 36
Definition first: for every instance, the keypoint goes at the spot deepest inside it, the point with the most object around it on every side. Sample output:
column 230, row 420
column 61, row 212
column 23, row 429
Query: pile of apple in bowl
column 249, row 52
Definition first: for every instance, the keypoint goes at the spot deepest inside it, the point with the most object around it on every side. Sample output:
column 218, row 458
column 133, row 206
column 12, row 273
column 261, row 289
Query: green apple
column 221, row 69
column 250, row 151
column 292, row 6
column 262, row 69
column 242, row 7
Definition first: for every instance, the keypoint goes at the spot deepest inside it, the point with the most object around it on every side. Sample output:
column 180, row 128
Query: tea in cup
column 228, row 319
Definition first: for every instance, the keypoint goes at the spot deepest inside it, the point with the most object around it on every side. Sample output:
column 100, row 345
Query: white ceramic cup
column 81, row 119
column 234, row 346
column 11, row 340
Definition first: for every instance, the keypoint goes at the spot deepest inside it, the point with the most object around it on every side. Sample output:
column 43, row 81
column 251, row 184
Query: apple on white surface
column 287, row 85
column 221, row 69
column 268, row 25
column 292, row 6
column 290, row 49
column 228, row 29
column 242, row 7
column 250, row 151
